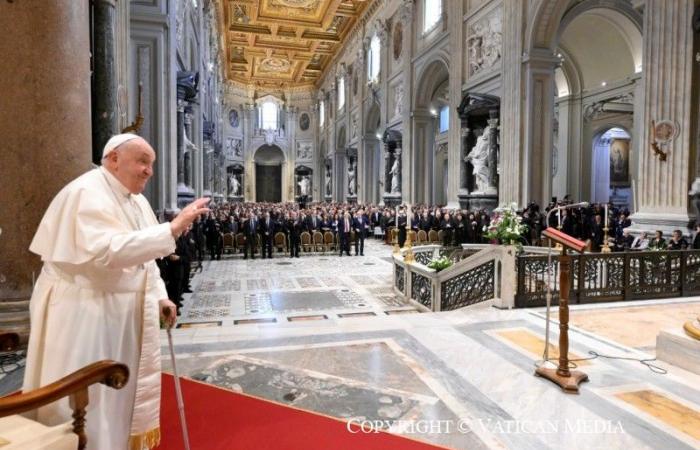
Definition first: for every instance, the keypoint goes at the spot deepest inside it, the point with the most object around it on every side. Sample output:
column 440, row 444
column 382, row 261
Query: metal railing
column 605, row 277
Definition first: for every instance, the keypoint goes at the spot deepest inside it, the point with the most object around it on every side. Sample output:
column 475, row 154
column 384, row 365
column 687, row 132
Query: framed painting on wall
column 620, row 162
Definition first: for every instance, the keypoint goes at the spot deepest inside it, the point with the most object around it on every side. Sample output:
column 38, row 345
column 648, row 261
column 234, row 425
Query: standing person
column 402, row 222
column 361, row 226
column 99, row 294
column 447, row 226
column 294, row 227
column 344, row 228
column 250, row 229
column 267, row 230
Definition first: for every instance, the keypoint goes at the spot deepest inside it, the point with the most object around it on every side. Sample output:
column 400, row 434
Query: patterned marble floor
column 287, row 289
column 316, row 334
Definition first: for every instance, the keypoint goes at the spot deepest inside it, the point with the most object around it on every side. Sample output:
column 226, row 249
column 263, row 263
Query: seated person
column 658, row 243
column 677, row 241
column 641, row 242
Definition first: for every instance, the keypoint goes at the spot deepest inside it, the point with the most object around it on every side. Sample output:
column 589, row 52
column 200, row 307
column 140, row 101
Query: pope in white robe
column 100, row 293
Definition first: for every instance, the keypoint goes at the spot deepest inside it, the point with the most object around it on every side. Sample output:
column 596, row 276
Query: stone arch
column 371, row 160
column 430, row 77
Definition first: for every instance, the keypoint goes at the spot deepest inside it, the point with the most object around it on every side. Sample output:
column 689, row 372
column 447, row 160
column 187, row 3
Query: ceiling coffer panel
column 286, row 43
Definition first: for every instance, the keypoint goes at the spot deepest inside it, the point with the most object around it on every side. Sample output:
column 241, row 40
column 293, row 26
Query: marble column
column 662, row 190
column 44, row 123
column 510, row 182
column 493, row 150
column 180, row 143
column 456, row 68
column 104, row 88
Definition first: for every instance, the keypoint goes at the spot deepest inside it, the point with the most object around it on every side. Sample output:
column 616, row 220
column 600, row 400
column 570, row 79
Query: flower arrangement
column 439, row 264
column 506, row 225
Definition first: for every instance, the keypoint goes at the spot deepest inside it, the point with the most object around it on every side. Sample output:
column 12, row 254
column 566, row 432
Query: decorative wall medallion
column 304, row 121
column 273, row 64
column 398, row 39
column 665, row 131
column 233, row 118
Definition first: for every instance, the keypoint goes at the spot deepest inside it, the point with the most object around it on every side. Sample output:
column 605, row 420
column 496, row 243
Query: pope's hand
column 168, row 312
column 188, row 215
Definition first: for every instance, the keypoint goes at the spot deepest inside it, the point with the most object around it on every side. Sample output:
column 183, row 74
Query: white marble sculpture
column 328, row 180
column 479, row 156
column 304, row 185
column 395, row 173
column 235, row 186
column 351, row 179
column 398, row 98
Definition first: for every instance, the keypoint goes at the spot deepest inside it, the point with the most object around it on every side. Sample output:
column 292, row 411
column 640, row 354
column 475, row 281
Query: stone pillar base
column 185, row 195
column 236, row 199
column 675, row 347
column 351, row 199
column 392, row 200
column 489, row 202
column 328, row 198
column 665, row 222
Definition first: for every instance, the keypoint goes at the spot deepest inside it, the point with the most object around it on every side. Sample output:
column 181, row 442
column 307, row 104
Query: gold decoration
column 408, row 256
column 150, row 439
column 692, row 328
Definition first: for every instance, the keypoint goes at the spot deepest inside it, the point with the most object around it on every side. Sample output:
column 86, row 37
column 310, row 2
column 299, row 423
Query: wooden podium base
column 567, row 384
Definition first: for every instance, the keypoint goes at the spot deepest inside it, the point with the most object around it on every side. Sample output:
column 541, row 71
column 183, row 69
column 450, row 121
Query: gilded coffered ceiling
column 285, row 43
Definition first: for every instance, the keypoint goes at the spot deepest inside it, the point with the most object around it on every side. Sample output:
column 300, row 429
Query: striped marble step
column 14, row 317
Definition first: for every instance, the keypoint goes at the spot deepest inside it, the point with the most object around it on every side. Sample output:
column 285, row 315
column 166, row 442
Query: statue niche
column 479, row 157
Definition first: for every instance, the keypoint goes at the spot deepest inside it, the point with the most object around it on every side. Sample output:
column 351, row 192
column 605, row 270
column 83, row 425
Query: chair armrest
column 75, row 385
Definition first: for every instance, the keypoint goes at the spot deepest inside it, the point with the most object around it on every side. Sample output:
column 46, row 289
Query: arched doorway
column 268, row 173
column 611, row 167
column 429, row 178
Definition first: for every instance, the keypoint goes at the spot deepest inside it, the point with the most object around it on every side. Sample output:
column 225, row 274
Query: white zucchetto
column 117, row 140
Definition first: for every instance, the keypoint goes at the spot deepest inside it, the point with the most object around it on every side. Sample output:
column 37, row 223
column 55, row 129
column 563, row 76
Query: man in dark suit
column 294, row 227
column 267, row 231
column 597, row 234
column 313, row 223
column 344, row 229
column 403, row 220
column 250, row 229
column 361, row 227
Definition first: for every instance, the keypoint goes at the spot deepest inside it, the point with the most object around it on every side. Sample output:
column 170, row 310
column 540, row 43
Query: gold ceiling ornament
column 273, row 64
column 286, row 43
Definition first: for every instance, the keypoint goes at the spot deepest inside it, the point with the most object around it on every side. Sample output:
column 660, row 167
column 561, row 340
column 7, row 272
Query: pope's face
column 134, row 165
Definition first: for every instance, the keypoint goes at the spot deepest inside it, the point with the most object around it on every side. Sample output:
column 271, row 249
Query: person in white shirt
column 641, row 242
column 99, row 295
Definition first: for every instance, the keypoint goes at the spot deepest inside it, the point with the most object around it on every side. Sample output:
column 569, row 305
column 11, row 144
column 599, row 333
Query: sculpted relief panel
column 485, row 42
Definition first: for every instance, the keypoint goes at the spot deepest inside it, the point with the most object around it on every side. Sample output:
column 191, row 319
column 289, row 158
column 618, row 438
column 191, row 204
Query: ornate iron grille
column 473, row 286
column 400, row 281
column 423, row 257
column 421, row 289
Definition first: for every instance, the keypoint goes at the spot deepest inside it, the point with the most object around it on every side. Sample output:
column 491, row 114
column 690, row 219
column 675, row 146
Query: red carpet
column 221, row 419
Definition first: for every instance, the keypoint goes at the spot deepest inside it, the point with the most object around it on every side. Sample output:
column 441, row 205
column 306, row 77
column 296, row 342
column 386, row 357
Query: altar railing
column 605, row 277
column 483, row 272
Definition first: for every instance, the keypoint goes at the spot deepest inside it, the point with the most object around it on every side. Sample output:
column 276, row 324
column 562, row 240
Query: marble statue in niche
column 479, row 156
column 351, row 178
column 395, row 173
column 328, row 180
column 353, row 127
column 304, row 185
column 234, row 185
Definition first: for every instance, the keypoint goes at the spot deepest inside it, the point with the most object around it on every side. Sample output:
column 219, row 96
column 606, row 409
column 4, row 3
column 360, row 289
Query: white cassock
column 97, row 298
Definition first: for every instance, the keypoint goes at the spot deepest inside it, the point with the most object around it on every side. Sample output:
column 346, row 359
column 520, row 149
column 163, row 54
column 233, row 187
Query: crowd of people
column 260, row 222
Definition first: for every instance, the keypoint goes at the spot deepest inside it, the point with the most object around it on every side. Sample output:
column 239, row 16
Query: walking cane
column 178, row 389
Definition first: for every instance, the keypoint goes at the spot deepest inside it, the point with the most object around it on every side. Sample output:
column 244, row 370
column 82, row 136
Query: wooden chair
column 229, row 243
column 433, row 236
column 318, row 244
column 329, row 241
column 280, row 242
column 421, row 237
column 240, row 242
column 305, row 241
column 440, row 235
column 75, row 386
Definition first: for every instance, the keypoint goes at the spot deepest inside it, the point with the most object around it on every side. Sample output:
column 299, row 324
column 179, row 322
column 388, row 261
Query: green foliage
column 439, row 264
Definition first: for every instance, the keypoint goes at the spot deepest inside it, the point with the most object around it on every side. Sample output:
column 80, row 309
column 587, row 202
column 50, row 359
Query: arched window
column 321, row 113
column 268, row 116
column 431, row 14
column 373, row 61
column 444, row 118
column 341, row 92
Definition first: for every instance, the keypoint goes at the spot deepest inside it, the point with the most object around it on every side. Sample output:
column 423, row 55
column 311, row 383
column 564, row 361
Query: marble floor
column 326, row 334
